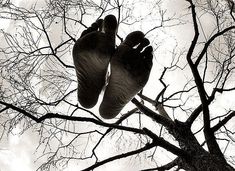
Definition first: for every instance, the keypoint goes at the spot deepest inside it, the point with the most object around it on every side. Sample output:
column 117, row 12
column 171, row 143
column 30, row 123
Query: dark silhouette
column 186, row 123
column 130, row 67
column 91, row 55
column 130, row 70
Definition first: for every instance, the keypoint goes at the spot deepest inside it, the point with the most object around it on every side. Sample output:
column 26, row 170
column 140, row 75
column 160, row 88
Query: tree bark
column 199, row 159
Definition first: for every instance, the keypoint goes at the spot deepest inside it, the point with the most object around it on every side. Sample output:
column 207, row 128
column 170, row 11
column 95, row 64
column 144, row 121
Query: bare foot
column 130, row 69
column 91, row 54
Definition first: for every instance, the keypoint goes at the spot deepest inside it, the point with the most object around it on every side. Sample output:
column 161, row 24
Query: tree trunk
column 199, row 159
column 204, row 163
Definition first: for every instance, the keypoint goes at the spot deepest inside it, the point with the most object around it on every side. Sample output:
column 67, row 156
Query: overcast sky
column 17, row 152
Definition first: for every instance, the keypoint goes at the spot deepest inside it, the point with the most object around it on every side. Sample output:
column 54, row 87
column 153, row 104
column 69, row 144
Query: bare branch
column 209, row 135
column 207, row 44
column 167, row 166
column 165, row 144
column 156, row 117
column 196, row 34
column 71, row 118
column 223, row 122
column 194, row 115
column 125, row 116
column 124, row 155
column 5, row 108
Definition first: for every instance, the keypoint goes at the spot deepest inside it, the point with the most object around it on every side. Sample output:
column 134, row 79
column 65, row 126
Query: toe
column 94, row 27
column 143, row 44
column 110, row 24
column 147, row 51
column 99, row 24
column 134, row 38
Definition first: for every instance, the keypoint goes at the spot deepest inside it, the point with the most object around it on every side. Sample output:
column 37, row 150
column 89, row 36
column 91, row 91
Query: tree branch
column 209, row 135
column 156, row 117
column 167, row 166
column 194, row 115
column 223, row 122
column 125, row 116
column 49, row 42
column 166, row 145
column 231, row 6
column 5, row 108
column 207, row 44
column 196, row 34
column 124, row 155
column 71, row 118
column 156, row 104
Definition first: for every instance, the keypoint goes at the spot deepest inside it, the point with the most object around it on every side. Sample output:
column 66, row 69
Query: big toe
column 110, row 23
column 134, row 38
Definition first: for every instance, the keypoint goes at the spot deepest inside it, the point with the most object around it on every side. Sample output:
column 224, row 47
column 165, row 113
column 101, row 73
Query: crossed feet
column 130, row 66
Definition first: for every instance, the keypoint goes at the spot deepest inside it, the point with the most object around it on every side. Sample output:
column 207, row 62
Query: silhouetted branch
column 165, row 144
column 65, row 26
column 167, row 166
column 71, row 118
column 196, row 34
column 124, row 155
column 49, row 42
column 231, row 5
column 156, row 117
column 207, row 44
column 223, row 122
column 55, row 103
column 5, row 108
column 124, row 117
column 194, row 115
column 209, row 135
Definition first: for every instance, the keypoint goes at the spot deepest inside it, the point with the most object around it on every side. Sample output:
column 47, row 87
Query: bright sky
column 16, row 153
